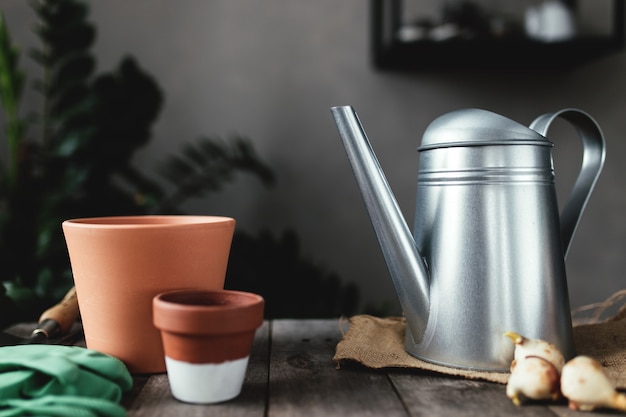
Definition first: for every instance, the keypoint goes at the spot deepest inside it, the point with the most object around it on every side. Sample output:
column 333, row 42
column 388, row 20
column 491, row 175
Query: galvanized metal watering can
column 487, row 250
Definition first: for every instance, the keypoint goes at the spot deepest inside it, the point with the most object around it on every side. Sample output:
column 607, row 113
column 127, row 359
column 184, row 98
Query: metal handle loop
column 594, row 151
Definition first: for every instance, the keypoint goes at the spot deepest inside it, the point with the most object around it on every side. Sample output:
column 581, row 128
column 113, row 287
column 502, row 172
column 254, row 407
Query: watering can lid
column 474, row 127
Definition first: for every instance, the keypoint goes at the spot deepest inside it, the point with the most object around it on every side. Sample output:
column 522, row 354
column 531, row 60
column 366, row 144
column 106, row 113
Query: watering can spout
column 406, row 266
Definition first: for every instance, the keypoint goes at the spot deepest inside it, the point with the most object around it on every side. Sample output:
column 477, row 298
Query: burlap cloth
column 378, row 343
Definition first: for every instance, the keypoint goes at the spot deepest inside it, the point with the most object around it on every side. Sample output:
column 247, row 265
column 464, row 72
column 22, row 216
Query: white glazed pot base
column 206, row 383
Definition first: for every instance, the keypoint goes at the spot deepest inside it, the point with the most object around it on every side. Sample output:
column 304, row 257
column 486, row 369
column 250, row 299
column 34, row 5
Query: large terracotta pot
column 207, row 337
column 120, row 263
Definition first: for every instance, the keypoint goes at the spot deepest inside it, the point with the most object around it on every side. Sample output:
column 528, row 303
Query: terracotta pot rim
column 180, row 311
column 147, row 221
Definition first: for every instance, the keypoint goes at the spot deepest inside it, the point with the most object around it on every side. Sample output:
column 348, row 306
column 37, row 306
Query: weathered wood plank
column 139, row 382
column 304, row 380
column 564, row 411
column 155, row 399
column 427, row 394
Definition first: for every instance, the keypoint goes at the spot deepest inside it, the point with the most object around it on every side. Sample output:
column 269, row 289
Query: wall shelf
column 521, row 53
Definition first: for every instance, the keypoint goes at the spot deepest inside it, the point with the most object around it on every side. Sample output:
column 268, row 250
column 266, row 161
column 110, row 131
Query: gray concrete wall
column 270, row 70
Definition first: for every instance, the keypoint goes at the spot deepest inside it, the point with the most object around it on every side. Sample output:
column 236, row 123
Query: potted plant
column 73, row 158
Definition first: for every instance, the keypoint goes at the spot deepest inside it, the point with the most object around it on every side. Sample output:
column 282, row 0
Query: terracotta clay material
column 120, row 263
column 221, row 323
column 207, row 337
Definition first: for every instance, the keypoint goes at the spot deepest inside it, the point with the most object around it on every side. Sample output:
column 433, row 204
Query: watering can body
column 486, row 254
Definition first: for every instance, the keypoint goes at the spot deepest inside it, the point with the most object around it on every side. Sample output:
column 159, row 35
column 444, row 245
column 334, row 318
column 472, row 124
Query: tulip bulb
column 535, row 378
column 535, row 347
column 587, row 386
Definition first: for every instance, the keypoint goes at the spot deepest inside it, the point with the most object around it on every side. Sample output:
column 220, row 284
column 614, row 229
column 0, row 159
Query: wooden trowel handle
column 59, row 318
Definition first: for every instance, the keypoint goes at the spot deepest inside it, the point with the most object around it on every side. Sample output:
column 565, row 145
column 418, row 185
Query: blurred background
column 270, row 70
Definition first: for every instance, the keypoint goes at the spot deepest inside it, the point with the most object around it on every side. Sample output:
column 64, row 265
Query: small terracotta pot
column 207, row 337
column 120, row 263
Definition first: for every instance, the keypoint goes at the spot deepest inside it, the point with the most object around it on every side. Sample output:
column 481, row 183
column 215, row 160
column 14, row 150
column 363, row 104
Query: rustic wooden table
column 291, row 373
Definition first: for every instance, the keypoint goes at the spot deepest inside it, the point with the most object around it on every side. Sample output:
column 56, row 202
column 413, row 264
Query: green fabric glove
column 51, row 380
column 61, row 406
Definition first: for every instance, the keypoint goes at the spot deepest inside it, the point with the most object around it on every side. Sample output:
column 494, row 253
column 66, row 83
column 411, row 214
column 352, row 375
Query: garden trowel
column 56, row 323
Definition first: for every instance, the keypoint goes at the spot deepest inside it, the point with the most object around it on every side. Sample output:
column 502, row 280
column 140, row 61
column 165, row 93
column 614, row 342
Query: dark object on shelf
column 456, row 47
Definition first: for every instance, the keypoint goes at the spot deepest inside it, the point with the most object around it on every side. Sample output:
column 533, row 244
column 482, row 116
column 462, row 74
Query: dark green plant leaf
column 207, row 165
column 11, row 78
column 66, row 97
column 127, row 103
column 11, row 86
column 78, row 67
column 63, row 27
column 72, row 142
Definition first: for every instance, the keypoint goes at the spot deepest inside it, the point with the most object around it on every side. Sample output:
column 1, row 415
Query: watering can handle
column 593, row 160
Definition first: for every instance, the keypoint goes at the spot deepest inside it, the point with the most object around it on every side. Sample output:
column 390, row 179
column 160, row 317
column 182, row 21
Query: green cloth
column 51, row 380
